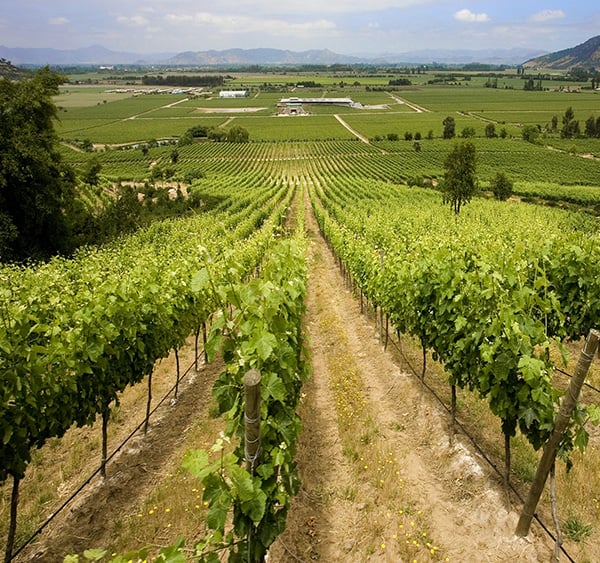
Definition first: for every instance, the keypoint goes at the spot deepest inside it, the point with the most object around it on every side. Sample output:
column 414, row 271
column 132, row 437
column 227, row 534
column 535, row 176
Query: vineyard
column 489, row 309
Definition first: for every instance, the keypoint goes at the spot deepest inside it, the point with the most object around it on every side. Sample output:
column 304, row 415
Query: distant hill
column 262, row 57
column 586, row 55
column 513, row 56
column 94, row 55
column 97, row 55
column 327, row 57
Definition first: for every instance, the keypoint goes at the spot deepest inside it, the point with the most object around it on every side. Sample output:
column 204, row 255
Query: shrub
column 502, row 186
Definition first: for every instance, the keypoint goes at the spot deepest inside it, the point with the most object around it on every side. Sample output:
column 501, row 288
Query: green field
column 334, row 133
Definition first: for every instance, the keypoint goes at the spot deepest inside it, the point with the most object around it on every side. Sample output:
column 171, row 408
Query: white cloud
column 138, row 21
column 58, row 21
column 467, row 16
column 317, row 6
column 547, row 15
column 226, row 23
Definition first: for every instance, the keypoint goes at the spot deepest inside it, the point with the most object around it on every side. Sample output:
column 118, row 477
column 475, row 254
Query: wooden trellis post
column 562, row 420
column 252, row 418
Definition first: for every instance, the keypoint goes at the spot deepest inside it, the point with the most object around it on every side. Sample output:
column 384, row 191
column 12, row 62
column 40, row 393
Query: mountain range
column 586, row 55
column 94, row 55
column 98, row 55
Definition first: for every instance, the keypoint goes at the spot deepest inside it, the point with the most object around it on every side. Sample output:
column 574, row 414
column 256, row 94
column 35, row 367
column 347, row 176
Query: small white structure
column 233, row 94
column 319, row 101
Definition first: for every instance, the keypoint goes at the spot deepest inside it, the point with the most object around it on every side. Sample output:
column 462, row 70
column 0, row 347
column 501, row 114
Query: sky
column 344, row 26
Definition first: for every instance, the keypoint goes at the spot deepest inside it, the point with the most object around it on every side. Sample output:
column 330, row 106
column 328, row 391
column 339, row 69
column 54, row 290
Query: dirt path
column 346, row 511
column 353, row 131
column 411, row 105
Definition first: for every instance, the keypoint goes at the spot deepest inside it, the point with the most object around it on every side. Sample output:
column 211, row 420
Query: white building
column 233, row 94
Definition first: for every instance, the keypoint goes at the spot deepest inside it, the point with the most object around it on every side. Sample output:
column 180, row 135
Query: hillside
column 261, row 56
column 586, row 55
column 8, row 70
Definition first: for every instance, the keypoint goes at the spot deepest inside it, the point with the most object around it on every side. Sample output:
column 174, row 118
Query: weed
column 576, row 530
column 349, row 493
column 397, row 426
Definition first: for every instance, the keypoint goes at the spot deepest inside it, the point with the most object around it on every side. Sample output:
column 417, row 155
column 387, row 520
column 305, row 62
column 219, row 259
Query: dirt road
column 383, row 484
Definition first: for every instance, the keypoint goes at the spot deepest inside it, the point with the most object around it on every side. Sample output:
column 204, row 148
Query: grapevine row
column 264, row 333
column 74, row 333
column 486, row 298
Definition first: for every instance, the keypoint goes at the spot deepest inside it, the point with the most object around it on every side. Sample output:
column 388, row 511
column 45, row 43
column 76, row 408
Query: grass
column 293, row 128
column 174, row 507
column 576, row 530
column 466, row 98
column 133, row 130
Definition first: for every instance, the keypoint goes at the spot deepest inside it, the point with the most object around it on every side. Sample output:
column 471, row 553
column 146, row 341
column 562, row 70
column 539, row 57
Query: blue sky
column 344, row 26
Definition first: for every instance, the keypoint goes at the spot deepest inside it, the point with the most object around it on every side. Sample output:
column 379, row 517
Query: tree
column 530, row 133
column 502, row 186
column 449, row 127
column 570, row 126
column 490, row 131
column 217, row 135
column 460, row 180
column 92, row 169
column 590, row 127
column 37, row 189
column 579, row 74
column 238, row 134
column 467, row 132
column 122, row 215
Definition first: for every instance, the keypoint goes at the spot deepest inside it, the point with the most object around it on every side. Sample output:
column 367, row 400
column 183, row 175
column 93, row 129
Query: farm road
column 418, row 109
column 360, row 478
column 353, row 131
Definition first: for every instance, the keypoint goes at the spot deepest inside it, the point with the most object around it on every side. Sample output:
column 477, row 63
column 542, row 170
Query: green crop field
column 553, row 168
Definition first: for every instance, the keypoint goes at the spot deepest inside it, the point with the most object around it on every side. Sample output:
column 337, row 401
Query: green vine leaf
column 219, row 499
column 94, row 554
column 273, row 387
column 197, row 463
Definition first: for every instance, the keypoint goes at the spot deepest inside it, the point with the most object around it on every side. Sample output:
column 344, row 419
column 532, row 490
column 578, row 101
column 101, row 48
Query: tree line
column 183, row 80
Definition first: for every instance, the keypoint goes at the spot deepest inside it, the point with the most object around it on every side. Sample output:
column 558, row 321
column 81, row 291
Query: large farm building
column 295, row 106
